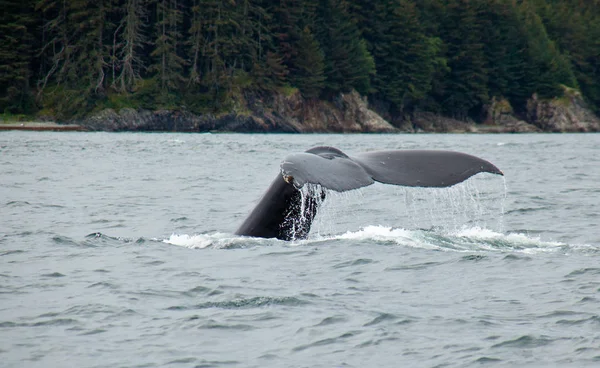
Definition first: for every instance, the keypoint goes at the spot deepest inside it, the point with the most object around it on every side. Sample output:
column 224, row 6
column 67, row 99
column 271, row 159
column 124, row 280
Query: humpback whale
column 286, row 212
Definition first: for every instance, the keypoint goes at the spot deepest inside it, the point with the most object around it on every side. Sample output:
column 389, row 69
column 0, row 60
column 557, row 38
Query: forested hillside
column 66, row 58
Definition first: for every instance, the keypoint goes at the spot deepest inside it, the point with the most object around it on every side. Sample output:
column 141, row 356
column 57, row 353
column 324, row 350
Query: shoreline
column 472, row 130
column 42, row 126
column 346, row 113
column 465, row 128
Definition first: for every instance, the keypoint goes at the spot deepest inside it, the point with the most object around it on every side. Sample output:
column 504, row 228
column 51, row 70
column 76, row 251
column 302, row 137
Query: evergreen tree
column 88, row 20
column 404, row 57
column 290, row 20
column 129, row 40
column 589, row 72
column 309, row 65
column 219, row 53
column 546, row 67
column 286, row 28
column 168, row 67
column 574, row 25
column 259, row 54
column 271, row 73
column 73, row 41
column 56, row 48
column 450, row 56
column 16, row 54
column 465, row 86
column 506, row 53
column 348, row 63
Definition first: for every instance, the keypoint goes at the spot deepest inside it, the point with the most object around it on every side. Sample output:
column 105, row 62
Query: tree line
column 65, row 58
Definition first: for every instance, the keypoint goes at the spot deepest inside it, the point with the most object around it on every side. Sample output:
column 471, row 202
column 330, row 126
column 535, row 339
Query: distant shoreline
column 55, row 127
column 462, row 129
column 42, row 126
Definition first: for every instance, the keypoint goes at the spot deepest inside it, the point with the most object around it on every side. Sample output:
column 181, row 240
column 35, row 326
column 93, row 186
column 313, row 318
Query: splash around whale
column 288, row 207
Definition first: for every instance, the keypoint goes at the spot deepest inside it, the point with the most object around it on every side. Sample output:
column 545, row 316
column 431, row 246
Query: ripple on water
column 57, row 322
column 328, row 341
column 197, row 290
column 381, row 318
column 255, row 302
column 356, row 262
column 53, row 274
column 17, row 204
column 11, row 252
column 416, row 266
column 98, row 239
column 95, row 331
column 64, row 240
column 525, row 341
column 584, row 271
column 576, row 322
column 212, row 363
column 486, row 360
column 49, row 322
column 216, row 325
column 516, row 257
column 331, row 320
column 104, row 285
column 473, row 258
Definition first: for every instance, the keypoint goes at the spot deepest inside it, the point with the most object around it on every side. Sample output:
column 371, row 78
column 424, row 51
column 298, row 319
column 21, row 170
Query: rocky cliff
column 347, row 113
column 568, row 113
column 350, row 113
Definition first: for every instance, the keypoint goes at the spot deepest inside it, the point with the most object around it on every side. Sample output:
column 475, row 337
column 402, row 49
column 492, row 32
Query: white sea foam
column 387, row 234
column 216, row 240
column 468, row 239
column 514, row 238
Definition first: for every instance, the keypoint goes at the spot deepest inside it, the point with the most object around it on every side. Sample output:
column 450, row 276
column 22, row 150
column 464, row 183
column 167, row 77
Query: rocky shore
column 347, row 113
column 41, row 126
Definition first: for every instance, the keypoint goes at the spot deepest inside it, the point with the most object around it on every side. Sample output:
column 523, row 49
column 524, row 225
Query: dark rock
column 562, row 114
column 500, row 118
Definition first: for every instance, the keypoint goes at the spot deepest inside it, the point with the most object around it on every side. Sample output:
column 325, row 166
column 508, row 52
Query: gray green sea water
column 117, row 250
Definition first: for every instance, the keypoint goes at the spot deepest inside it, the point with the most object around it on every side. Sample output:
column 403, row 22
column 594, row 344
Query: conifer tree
column 168, row 66
column 88, row 20
column 56, row 48
column 546, row 68
column 286, row 28
column 309, row 65
column 445, row 55
column 589, row 73
column 465, row 86
column 73, row 42
column 574, row 25
column 16, row 54
column 255, row 39
column 218, row 24
column 404, row 57
column 348, row 63
column 195, row 43
column 129, row 39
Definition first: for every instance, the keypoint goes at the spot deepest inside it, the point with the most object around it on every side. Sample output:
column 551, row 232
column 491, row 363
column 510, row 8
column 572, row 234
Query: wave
column 468, row 239
column 216, row 240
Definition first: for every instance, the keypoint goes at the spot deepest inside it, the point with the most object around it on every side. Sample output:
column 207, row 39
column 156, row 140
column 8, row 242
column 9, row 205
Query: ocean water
column 117, row 250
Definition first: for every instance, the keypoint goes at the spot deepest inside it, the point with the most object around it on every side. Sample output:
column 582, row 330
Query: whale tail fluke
column 284, row 213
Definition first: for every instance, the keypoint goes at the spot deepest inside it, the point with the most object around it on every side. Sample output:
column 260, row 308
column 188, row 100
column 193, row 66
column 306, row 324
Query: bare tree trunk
column 100, row 63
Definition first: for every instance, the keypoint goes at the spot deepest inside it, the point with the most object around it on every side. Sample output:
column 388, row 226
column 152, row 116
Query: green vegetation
column 70, row 58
